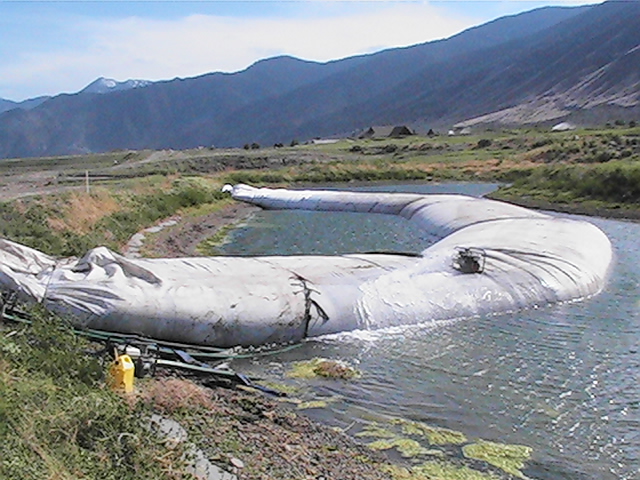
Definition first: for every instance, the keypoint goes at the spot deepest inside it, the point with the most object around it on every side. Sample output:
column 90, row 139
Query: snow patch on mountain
column 108, row 85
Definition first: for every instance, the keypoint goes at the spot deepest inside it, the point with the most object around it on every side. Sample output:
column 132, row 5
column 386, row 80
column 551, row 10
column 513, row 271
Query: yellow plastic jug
column 121, row 374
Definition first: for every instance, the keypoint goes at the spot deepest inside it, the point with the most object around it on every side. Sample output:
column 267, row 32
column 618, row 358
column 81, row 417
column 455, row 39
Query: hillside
column 6, row 105
column 540, row 66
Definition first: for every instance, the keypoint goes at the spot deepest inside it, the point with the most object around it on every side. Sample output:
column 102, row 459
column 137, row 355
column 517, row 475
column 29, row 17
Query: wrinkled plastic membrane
column 531, row 259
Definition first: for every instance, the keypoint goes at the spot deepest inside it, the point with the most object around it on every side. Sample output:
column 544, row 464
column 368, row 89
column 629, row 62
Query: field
column 64, row 205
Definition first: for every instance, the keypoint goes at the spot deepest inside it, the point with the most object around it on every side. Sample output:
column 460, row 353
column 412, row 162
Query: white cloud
column 199, row 43
column 136, row 47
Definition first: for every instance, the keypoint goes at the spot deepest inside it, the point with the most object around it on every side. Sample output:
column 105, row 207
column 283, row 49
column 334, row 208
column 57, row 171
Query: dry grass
column 171, row 394
column 82, row 211
column 152, row 184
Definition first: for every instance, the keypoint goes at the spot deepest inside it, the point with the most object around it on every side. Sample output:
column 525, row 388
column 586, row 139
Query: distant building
column 563, row 127
column 459, row 131
column 397, row 131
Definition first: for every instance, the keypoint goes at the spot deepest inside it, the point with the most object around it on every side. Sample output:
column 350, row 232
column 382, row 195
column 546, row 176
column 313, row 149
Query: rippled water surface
column 562, row 379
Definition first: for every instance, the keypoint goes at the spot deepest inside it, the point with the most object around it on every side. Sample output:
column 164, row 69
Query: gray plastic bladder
column 530, row 259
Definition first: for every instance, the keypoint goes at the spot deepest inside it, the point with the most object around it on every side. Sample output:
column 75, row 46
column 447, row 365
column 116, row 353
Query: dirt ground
column 256, row 437
column 182, row 239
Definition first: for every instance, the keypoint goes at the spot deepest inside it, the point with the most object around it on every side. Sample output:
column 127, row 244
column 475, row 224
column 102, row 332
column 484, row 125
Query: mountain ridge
column 540, row 66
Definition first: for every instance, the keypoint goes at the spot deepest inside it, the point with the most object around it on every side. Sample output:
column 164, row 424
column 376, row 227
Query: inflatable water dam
column 490, row 257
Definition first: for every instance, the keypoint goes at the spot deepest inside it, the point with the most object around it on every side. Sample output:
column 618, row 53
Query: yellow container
column 121, row 374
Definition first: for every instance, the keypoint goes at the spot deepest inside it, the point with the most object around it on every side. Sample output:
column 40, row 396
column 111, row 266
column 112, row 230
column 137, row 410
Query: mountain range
column 547, row 65
column 100, row 85
column 6, row 105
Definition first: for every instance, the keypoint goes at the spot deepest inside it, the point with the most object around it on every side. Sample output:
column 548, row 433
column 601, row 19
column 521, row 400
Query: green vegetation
column 71, row 223
column 616, row 183
column 321, row 367
column 312, row 404
column 211, row 246
column 58, row 421
column 435, row 435
column 510, row 458
column 437, row 470
column 407, row 447
column 440, row 442
column 583, row 171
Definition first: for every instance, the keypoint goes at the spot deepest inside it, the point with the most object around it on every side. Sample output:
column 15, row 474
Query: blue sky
column 50, row 47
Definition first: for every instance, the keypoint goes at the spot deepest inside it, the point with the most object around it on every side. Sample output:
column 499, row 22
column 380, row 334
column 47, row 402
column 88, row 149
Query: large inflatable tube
column 528, row 259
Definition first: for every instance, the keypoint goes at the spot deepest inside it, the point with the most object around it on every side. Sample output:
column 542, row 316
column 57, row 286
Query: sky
column 49, row 47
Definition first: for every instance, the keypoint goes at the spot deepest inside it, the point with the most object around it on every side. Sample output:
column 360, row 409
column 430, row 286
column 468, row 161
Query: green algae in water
column 547, row 410
column 376, row 431
column 510, row 458
column 436, row 470
column 435, row 435
column 312, row 404
column 280, row 387
column 408, row 448
column 211, row 246
column 322, row 367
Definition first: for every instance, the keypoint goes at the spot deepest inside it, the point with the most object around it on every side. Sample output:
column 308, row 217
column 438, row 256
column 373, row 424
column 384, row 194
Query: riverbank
column 184, row 237
column 256, row 437
column 590, row 209
column 60, row 420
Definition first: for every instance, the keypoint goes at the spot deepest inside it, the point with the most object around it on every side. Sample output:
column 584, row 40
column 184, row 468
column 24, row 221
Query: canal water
column 563, row 379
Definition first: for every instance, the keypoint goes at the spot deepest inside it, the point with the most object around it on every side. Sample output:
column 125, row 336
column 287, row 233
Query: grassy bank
column 70, row 223
column 611, row 189
column 58, row 421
